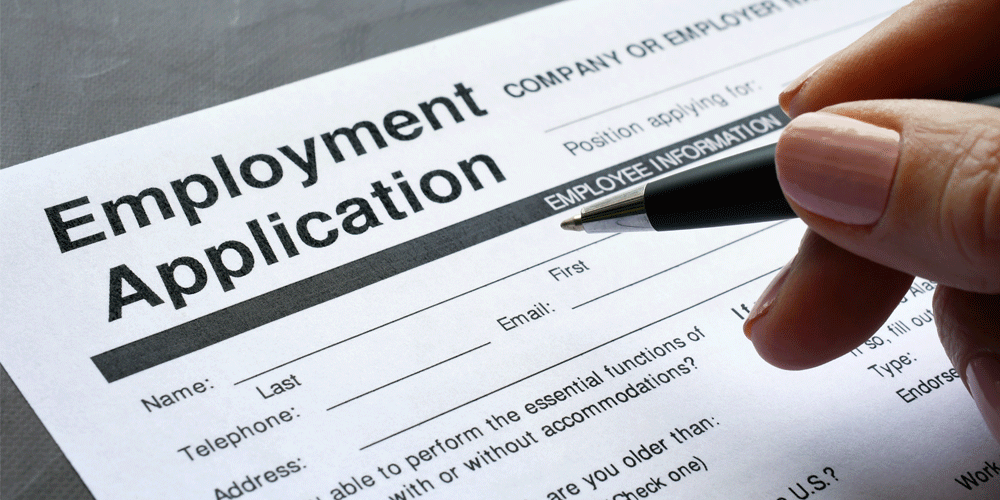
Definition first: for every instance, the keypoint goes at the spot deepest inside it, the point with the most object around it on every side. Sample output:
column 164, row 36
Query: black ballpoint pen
column 740, row 189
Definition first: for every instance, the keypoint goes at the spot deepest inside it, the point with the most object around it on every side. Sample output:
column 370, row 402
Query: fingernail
column 837, row 167
column 787, row 96
column 983, row 377
column 763, row 303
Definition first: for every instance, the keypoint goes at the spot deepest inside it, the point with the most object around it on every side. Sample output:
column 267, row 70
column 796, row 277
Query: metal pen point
column 619, row 213
column 574, row 223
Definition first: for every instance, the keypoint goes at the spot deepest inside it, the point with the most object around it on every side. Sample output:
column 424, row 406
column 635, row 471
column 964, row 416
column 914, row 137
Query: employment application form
column 355, row 286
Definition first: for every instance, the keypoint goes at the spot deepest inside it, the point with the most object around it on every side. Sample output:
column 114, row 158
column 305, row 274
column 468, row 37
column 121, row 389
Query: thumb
column 912, row 185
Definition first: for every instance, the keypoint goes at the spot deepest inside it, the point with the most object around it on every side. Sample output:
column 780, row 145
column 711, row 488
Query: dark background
column 75, row 71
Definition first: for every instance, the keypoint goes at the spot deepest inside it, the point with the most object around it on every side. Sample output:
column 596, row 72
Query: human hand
column 893, row 189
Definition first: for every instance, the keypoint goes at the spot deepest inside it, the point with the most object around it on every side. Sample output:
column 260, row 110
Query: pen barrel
column 740, row 189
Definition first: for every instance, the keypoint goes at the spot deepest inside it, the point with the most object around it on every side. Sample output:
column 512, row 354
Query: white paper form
column 355, row 286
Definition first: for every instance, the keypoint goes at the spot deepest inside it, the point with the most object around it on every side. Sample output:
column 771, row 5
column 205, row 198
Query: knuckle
column 970, row 208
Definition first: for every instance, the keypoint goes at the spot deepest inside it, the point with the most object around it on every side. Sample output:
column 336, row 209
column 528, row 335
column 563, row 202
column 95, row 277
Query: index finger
column 947, row 49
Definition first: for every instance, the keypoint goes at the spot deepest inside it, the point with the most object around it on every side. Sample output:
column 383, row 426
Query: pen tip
column 572, row 224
